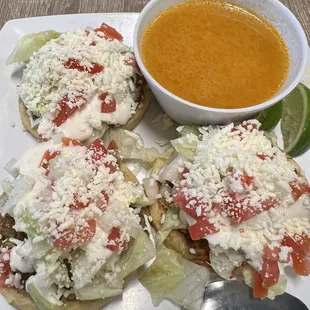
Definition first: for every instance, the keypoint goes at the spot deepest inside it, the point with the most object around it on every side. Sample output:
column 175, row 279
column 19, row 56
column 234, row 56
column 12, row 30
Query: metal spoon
column 236, row 295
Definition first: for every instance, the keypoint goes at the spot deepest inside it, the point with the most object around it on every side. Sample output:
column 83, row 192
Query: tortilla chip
column 21, row 300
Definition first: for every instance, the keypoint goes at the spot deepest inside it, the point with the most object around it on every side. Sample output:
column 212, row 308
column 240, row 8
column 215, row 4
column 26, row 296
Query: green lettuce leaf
column 224, row 263
column 42, row 287
column 138, row 254
column 185, row 130
column 175, row 278
column 97, row 289
column 131, row 146
column 186, row 145
column 172, row 221
column 29, row 44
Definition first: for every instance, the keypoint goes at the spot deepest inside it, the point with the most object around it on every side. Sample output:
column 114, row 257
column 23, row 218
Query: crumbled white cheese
column 49, row 78
column 238, row 169
column 69, row 193
column 192, row 251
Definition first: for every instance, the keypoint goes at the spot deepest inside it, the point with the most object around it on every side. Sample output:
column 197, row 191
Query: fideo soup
column 215, row 54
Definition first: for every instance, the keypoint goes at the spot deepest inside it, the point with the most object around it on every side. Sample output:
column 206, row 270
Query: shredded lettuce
column 175, row 278
column 172, row 221
column 30, row 225
column 40, row 249
column 97, row 289
column 224, row 263
column 42, row 287
column 186, row 145
column 185, row 130
column 170, row 171
column 131, row 145
column 40, row 299
column 90, row 284
column 138, row 254
column 151, row 188
column 30, row 44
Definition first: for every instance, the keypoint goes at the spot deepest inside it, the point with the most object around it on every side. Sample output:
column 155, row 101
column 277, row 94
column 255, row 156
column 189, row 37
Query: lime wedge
column 270, row 117
column 29, row 44
column 295, row 124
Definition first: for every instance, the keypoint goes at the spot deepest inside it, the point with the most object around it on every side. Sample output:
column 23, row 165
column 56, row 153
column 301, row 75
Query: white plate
column 14, row 141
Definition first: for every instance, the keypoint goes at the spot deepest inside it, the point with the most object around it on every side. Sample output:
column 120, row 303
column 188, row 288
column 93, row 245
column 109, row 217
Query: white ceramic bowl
column 185, row 112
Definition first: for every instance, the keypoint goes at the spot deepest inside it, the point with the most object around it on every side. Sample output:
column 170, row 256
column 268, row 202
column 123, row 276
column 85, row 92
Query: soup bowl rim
column 255, row 108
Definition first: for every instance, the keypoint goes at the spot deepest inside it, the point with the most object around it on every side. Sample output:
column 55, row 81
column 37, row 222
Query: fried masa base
column 131, row 124
column 20, row 299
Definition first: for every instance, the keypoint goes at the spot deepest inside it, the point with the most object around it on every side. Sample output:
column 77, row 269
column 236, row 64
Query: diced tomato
column 102, row 201
column 242, row 210
column 96, row 68
column 69, row 237
column 114, row 236
column 238, row 211
column 72, row 63
column 274, row 254
column 299, row 243
column 264, row 157
column 93, row 43
column 270, row 272
column 270, row 203
column 202, row 228
column 109, row 33
column 184, row 204
column 66, row 111
column 290, row 242
column 271, row 254
column 242, row 214
column 108, row 103
column 97, row 150
column 179, row 198
column 258, row 290
column 298, row 189
column 48, row 155
column 78, row 204
column 112, row 146
column 112, row 166
column 67, row 141
column 301, row 264
column 246, row 180
column 303, row 242
column 5, row 268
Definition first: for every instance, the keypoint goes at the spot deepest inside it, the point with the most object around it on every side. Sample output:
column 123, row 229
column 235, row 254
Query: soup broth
column 215, row 54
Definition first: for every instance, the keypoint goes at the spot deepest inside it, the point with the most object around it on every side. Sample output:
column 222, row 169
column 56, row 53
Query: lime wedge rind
column 295, row 124
column 270, row 117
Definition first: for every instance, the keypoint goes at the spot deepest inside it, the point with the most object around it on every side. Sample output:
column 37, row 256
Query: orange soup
column 215, row 54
